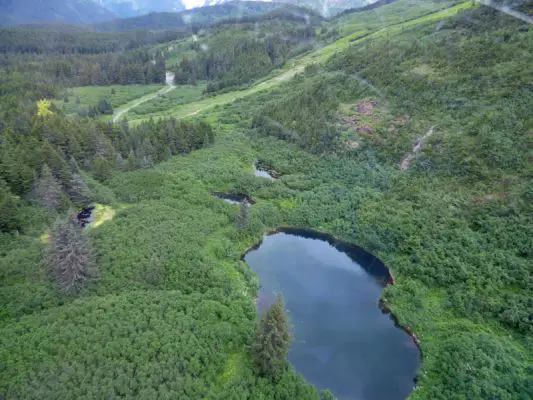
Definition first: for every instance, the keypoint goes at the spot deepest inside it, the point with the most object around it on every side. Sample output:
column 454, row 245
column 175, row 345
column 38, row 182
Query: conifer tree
column 48, row 189
column 9, row 220
column 70, row 256
column 272, row 339
column 78, row 190
column 243, row 218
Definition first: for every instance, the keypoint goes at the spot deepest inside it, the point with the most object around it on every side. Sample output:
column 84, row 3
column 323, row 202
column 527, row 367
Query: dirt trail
column 170, row 87
column 319, row 56
column 409, row 157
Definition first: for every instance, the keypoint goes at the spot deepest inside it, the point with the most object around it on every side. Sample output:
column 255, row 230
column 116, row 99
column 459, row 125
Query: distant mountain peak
column 13, row 12
column 129, row 8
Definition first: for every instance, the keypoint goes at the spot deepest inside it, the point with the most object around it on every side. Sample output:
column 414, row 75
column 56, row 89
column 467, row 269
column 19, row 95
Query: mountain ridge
column 16, row 12
column 89, row 12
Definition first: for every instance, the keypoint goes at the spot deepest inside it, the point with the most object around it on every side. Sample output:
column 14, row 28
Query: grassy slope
column 90, row 95
column 354, row 33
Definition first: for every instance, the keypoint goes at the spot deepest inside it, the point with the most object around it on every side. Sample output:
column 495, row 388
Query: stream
column 342, row 339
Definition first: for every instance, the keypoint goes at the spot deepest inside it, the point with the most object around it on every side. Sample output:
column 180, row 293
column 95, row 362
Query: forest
column 236, row 56
column 403, row 129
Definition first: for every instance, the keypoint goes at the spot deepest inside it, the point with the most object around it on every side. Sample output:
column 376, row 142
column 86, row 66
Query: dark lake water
column 342, row 340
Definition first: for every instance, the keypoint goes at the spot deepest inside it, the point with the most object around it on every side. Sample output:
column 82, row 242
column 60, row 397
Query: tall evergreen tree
column 243, row 218
column 48, row 189
column 272, row 339
column 78, row 190
column 70, row 256
column 9, row 220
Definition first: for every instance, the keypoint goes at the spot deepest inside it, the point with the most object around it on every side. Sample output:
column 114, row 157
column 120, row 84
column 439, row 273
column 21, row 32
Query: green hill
column 405, row 129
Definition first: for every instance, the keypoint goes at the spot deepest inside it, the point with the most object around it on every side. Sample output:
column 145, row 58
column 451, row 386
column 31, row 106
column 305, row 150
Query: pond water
column 85, row 216
column 342, row 340
column 262, row 171
column 233, row 198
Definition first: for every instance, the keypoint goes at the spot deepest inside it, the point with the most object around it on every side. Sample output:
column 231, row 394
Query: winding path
column 409, row 157
column 321, row 55
column 170, row 87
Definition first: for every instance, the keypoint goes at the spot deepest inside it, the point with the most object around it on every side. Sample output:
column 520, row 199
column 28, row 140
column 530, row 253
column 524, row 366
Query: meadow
column 89, row 96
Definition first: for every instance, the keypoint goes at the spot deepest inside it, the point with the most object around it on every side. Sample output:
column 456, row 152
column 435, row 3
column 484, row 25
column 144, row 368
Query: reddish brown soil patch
column 366, row 107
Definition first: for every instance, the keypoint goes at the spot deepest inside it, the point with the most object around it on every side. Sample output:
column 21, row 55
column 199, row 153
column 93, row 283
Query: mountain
column 14, row 12
column 133, row 8
column 325, row 7
column 234, row 10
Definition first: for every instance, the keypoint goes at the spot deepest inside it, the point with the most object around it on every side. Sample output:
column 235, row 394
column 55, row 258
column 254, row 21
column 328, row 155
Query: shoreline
column 341, row 245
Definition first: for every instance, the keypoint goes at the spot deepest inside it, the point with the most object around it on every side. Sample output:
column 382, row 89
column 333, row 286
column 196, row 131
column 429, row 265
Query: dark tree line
column 64, row 40
column 137, row 67
column 242, row 58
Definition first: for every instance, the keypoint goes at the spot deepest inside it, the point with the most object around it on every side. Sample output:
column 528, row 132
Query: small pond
column 86, row 216
column 264, row 171
column 233, row 198
column 342, row 340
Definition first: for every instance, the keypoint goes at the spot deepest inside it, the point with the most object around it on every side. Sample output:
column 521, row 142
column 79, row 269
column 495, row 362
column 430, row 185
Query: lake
column 342, row 340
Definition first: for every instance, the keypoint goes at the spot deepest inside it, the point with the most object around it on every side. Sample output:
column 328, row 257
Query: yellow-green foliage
column 43, row 108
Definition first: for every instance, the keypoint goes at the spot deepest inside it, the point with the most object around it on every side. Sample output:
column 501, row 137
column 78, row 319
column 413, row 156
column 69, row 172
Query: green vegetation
column 236, row 56
column 183, row 94
column 272, row 339
column 70, row 256
column 412, row 141
column 85, row 97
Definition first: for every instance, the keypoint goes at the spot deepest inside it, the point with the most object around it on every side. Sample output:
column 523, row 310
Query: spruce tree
column 243, row 218
column 70, row 256
column 78, row 190
column 270, row 347
column 9, row 218
column 48, row 189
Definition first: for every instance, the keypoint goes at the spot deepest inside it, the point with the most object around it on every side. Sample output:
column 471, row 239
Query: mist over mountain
column 13, row 12
column 132, row 8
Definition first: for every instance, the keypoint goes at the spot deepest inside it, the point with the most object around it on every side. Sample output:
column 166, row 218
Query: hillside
column 132, row 8
column 326, row 8
column 15, row 12
column 404, row 129
column 205, row 16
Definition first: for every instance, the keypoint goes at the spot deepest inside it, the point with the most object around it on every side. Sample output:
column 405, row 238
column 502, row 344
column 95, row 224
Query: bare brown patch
column 352, row 122
column 417, row 146
column 480, row 200
column 365, row 129
column 366, row 107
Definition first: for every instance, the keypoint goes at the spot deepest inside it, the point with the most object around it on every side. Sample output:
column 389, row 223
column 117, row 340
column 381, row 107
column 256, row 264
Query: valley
column 377, row 161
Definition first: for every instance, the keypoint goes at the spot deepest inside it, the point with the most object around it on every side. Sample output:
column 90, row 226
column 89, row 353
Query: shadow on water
column 343, row 338
column 86, row 216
